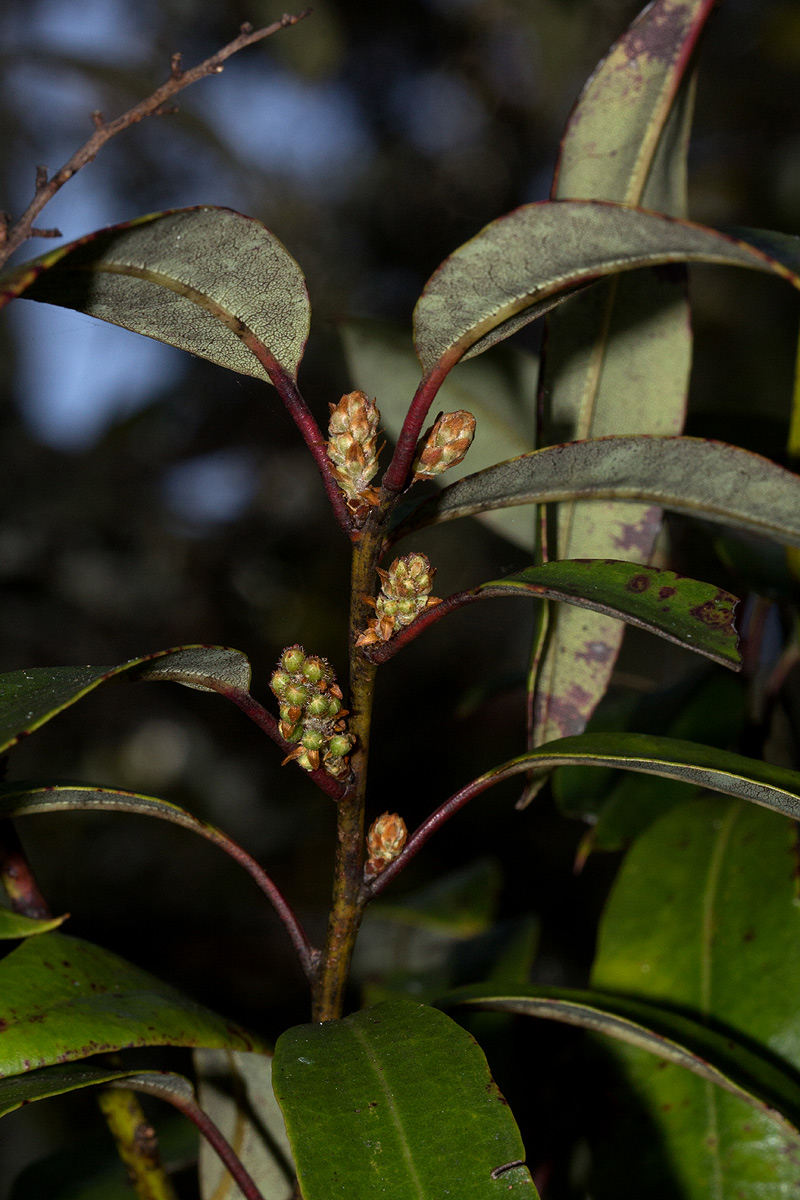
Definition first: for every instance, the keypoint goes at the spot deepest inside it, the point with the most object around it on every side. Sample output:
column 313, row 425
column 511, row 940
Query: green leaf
column 396, row 1101
column 687, row 475
column 667, row 1035
column 207, row 280
column 499, row 390
column 14, row 925
column 30, row 698
column 696, row 615
column 62, row 999
column 236, row 1093
column 703, row 919
column 703, row 766
column 526, row 262
column 56, row 1080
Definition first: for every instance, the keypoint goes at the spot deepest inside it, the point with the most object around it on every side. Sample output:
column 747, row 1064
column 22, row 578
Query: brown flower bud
column 385, row 841
column 444, row 444
column 353, row 448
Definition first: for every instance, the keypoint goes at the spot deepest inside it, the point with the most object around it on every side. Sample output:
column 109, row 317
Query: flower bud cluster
column 311, row 712
column 353, row 449
column 444, row 444
column 405, row 593
column 385, row 840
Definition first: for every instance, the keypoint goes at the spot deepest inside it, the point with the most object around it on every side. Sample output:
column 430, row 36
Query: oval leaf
column 527, row 261
column 396, row 1101
column 669, row 1036
column 703, row 766
column 63, row 999
column 703, row 918
column 30, row 698
column 693, row 614
column 236, row 1093
column 56, row 1080
column 687, row 475
column 207, row 280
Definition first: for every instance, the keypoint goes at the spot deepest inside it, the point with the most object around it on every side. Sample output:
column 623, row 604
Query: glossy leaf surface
column 525, row 262
column 30, row 698
column 17, row 1090
column 703, row 766
column 63, row 999
column 704, row 918
column 396, row 1101
column 14, row 925
column 235, row 1090
column 687, row 475
column 206, row 280
column 499, row 390
column 618, row 356
column 693, row 614
column 666, row 1035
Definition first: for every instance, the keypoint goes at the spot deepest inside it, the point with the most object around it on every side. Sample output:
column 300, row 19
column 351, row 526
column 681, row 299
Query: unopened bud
column 293, row 658
column 404, row 595
column 444, row 444
column 385, row 840
column 353, row 448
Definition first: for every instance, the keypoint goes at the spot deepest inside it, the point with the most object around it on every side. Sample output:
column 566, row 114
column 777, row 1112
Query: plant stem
column 348, row 898
column 17, row 876
column 136, row 1144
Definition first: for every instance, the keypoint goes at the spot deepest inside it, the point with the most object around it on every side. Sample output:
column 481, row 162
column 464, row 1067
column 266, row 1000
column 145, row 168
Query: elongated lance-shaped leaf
column 617, row 357
column 396, row 1101
column 236, row 1092
column 687, row 475
column 17, row 1090
column 703, row 919
column 693, row 614
column 703, row 766
column 30, row 698
column 207, row 280
column 62, row 999
column 667, row 1035
column 14, row 925
column 517, row 266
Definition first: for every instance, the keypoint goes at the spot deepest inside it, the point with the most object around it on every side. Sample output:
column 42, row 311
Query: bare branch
column 152, row 105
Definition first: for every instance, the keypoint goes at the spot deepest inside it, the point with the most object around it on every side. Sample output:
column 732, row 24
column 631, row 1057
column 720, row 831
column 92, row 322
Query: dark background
column 150, row 499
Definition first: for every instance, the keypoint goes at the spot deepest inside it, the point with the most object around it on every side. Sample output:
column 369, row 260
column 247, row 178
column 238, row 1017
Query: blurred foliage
column 373, row 140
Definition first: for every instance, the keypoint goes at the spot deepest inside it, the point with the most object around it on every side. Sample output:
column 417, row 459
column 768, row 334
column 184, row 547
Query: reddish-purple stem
column 381, row 652
column 266, row 722
column 398, row 470
column 301, row 415
column 438, row 818
column 17, row 876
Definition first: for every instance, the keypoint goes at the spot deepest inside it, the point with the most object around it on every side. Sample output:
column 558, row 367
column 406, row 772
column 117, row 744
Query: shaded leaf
column 696, row 615
column 524, row 263
column 236, row 1092
column 56, row 1080
column 62, row 999
column 396, row 1101
column 703, row 766
column 499, row 391
column 14, row 925
column 703, row 918
column 667, row 1035
column 207, row 280
column 30, row 698
column 687, row 475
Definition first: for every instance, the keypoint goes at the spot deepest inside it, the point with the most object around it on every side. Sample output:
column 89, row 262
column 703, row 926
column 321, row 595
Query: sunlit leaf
column 62, row 999
column 30, row 698
column 667, row 1035
column 236, row 1092
column 703, row 919
column 698, row 478
column 523, row 263
column 693, row 614
column 396, row 1101
column 207, row 280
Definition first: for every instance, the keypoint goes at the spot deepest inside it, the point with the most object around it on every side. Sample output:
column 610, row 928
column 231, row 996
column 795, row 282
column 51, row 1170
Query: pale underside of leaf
column 56, row 1080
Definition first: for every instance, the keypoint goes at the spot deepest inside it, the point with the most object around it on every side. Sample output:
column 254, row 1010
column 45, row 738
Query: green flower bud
column 341, row 744
column 313, row 739
column 296, row 694
column 316, row 670
column 279, row 682
column 319, row 705
column 292, row 659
